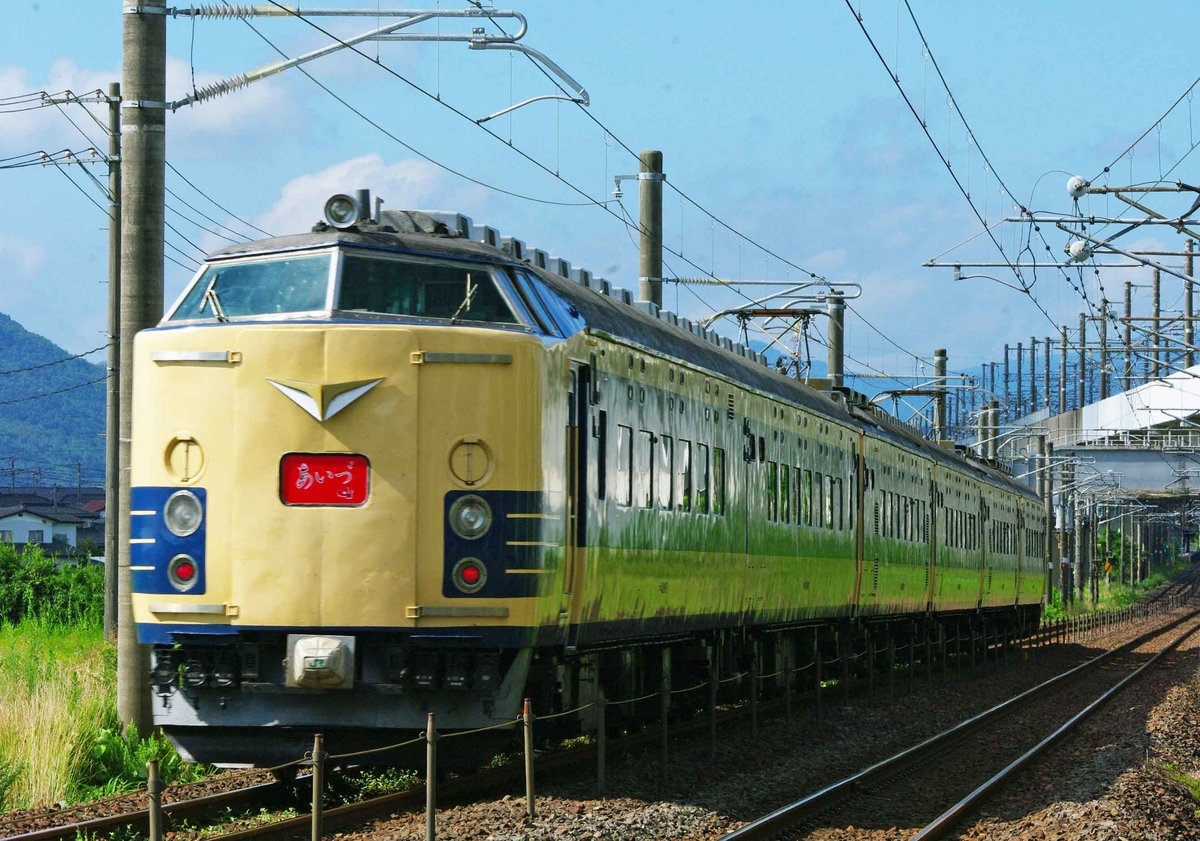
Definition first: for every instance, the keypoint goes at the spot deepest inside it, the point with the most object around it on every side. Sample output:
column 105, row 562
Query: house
column 54, row 528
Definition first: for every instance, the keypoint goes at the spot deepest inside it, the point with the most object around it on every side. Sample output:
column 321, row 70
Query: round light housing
column 470, row 517
column 183, row 513
column 469, row 575
column 183, row 572
column 341, row 211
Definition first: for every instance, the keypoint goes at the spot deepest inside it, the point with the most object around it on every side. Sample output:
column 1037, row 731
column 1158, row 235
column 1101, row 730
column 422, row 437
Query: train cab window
column 563, row 313
column 683, row 476
column 258, row 287
column 718, row 481
column 624, row 486
column 662, row 479
column 643, row 462
column 702, row 478
column 422, row 288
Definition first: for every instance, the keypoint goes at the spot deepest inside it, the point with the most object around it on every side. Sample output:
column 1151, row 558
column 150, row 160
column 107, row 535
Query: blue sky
column 775, row 116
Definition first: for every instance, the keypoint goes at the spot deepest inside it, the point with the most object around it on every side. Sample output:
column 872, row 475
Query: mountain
column 51, row 410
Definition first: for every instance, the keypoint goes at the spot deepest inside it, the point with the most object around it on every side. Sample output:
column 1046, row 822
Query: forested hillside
column 60, row 428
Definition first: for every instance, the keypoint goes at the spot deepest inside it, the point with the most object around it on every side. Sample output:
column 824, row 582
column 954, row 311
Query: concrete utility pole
column 836, row 308
column 1155, row 333
column 112, row 425
column 1189, row 333
column 1020, row 408
column 143, row 118
column 1082, row 360
column 1127, row 335
column 1046, row 377
column 1047, row 450
column 1062, row 372
column 993, row 444
column 1081, row 575
column 939, row 399
column 1033, row 374
column 650, row 179
column 1103, row 328
column 1007, row 399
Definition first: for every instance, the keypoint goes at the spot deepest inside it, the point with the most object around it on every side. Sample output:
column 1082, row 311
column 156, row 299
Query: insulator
column 233, row 10
column 218, row 89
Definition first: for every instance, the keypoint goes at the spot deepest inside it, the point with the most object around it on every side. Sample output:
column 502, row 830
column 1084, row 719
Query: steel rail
column 946, row 821
column 782, row 820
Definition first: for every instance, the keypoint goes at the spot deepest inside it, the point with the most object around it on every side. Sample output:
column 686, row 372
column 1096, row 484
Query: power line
column 215, row 233
column 213, row 202
column 204, row 215
column 55, row 362
column 52, row 393
column 1153, row 125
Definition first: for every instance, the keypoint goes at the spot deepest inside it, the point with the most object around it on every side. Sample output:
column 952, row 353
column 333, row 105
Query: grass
column 1115, row 595
column 60, row 737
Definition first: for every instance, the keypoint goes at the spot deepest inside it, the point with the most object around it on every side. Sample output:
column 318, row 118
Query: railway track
column 900, row 790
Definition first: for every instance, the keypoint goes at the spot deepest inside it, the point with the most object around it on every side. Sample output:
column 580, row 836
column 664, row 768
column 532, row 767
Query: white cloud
column 24, row 255
column 262, row 107
column 408, row 184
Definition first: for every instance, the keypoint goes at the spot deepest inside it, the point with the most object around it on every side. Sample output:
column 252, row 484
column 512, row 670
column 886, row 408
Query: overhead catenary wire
column 214, row 202
column 41, row 365
column 52, row 393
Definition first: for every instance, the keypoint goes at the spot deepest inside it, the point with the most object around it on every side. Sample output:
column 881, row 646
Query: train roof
column 613, row 317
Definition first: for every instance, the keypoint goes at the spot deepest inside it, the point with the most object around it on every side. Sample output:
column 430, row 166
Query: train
column 402, row 464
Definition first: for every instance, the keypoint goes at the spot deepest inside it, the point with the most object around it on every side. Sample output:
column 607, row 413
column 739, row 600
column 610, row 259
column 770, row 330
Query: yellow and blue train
column 402, row 464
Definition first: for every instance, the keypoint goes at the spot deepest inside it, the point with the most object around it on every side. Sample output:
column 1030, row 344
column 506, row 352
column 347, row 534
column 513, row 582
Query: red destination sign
column 324, row 479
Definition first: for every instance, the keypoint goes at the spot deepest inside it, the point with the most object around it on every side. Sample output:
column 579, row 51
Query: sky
column 797, row 154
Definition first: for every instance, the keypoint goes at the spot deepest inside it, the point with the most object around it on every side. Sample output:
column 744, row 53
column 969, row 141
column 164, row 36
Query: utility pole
column 650, row 180
column 1081, row 576
column 1127, row 335
column 1189, row 334
column 1062, row 372
column 1082, row 360
column 1007, row 399
column 1033, row 374
column 1046, row 377
column 112, row 422
column 143, row 163
column 1047, row 450
column 12, row 471
column 993, row 443
column 836, row 309
column 939, row 390
column 1020, row 409
column 1155, row 334
column 1103, row 328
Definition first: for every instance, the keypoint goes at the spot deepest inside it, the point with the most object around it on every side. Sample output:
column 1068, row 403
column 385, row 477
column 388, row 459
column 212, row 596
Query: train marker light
column 470, row 517
column 469, row 575
column 181, row 572
column 183, row 513
column 341, row 211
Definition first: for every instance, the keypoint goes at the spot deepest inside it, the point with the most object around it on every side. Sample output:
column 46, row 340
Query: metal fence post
column 154, row 789
column 431, row 738
column 786, row 667
column 527, row 721
column 318, row 787
column 714, row 674
column 891, row 663
column 817, row 664
column 601, row 742
column 754, row 670
column 870, row 666
column 665, row 747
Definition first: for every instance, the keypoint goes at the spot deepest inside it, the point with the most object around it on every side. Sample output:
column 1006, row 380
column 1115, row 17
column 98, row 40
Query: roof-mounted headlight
column 341, row 211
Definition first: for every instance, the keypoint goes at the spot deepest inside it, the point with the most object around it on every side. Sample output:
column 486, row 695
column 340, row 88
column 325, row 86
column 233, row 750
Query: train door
column 579, row 390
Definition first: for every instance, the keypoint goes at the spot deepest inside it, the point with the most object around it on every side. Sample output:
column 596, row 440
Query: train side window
column 683, row 476
column 818, row 500
column 702, row 478
column 785, row 493
column 536, row 307
column 718, row 481
column 839, row 500
column 644, row 463
column 806, row 499
column 829, row 502
column 772, row 479
column 662, row 481
column 624, row 465
column 602, row 455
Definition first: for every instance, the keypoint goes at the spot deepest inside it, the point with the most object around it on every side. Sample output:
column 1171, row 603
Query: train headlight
column 183, row 572
column 183, row 513
column 341, row 211
column 470, row 517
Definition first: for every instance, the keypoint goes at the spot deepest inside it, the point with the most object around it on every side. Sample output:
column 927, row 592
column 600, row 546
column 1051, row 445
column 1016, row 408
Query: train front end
column 337, row 519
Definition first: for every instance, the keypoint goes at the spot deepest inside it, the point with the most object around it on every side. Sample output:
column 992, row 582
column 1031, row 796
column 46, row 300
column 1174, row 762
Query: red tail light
column 469, row 575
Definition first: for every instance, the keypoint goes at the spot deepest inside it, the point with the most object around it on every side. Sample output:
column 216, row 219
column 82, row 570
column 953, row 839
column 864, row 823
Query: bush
column 115, row 762
column 33, row 586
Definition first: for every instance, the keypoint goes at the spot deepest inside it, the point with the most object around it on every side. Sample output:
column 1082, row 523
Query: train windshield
column 256, row 288
column 423, row 289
